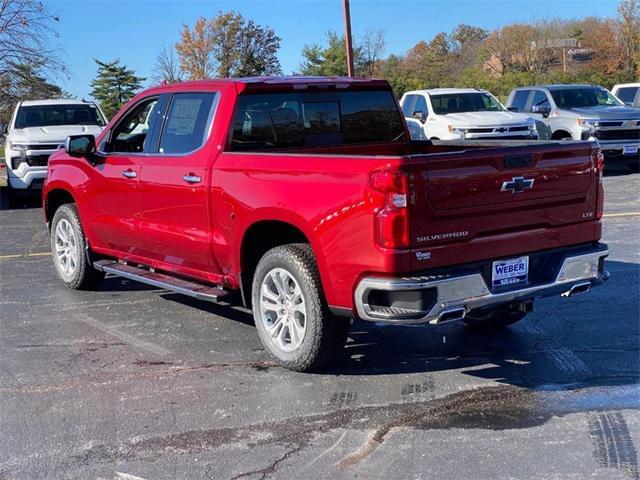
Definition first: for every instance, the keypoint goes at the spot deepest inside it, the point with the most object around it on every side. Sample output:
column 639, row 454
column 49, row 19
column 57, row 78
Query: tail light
column 598, row 158
column 391, row 213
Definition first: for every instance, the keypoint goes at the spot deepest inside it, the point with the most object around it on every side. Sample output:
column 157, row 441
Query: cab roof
column 265, row 83
column 55, row 101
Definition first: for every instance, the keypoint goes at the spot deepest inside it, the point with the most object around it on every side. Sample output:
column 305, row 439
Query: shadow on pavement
column 589, row 340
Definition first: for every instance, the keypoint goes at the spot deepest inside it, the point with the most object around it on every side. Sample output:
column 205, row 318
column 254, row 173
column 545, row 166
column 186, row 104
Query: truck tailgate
column 460, row 196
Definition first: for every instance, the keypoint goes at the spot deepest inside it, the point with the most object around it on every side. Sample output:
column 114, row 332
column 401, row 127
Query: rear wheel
column 68, row 246
column 292, row 319
column 498, row 317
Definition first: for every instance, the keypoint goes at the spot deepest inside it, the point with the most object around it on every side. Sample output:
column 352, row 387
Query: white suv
column 463, row 114
column 37, row 129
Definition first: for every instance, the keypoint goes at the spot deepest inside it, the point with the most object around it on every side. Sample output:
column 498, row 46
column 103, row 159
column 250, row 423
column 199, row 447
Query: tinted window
column 583, row 97
column 519, row 100
column 421, row 106
column 284, row 120
column 464, row 102
column 540, row 99
column 407, row 105
column 48, row 115
column 187, row 123
column 130, row 134
column 627, row 94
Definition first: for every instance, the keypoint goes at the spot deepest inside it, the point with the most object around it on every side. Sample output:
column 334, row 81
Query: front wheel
column 68, row 245
column 292, row 319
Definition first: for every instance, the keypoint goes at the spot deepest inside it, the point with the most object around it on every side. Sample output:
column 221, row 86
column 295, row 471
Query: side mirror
column 513, row 109
column 419, row 115
column 629, row 104
column 543, row 110
column 80, row 145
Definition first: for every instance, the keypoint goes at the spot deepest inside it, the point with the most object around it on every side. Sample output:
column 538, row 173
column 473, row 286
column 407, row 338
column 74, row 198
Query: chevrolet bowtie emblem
column 517, row 185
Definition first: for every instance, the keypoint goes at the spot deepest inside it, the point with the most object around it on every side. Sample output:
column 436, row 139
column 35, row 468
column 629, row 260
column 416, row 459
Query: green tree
column 329, row 60
column 24, row 82
column 114, row 86
column 228, row 46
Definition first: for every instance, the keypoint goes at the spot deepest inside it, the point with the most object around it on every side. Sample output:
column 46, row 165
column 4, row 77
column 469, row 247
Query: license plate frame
column 629, row 150
column 509, row 271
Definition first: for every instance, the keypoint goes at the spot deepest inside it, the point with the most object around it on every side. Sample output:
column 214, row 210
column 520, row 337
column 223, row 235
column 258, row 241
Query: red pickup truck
column 305, row 199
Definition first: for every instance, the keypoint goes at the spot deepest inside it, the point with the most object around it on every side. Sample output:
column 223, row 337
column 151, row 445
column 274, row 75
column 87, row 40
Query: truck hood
column 485, row 119
column 608, row 113
column 54, row 134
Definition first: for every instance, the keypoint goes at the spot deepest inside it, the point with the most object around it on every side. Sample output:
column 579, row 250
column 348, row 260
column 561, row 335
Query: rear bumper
column 442, row 297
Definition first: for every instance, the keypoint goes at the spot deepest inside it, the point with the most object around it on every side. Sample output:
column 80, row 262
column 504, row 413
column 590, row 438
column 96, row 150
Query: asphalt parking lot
column 132, row 382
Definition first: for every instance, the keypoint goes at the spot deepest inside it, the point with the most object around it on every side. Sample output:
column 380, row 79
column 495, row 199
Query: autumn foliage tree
column 227, row 45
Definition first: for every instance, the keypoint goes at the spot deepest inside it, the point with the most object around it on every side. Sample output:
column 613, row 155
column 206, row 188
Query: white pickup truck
column 463, row 114
column 584, row 112
column 36, row 130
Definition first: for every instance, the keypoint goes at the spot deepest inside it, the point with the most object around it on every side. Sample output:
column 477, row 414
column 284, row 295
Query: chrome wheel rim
column 283, row 310
column 66, row 248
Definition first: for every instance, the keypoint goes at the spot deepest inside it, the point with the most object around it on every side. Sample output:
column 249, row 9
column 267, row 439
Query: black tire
column 324, row 333
column 493, row 319
column 83, row 276
column 7, row 198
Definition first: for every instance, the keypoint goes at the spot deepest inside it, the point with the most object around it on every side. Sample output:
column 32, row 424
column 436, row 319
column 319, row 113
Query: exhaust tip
column 451, row 315
column 578, row 289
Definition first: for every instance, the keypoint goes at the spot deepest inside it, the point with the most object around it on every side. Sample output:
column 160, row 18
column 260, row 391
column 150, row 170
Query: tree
column 167, row 67
column 629, row 11
column 330, row 60
column 26, row 36
column 114, row 85
column 371, row 46
column 228, row 46
column 24, row 82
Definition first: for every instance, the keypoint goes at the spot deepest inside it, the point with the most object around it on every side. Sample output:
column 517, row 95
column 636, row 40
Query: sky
column 135, row 31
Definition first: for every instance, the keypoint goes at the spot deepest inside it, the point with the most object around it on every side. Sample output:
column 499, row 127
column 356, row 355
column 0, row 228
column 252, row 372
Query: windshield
column 465, row 102
column 281, row 120
column 51, row 115
column 584, row 97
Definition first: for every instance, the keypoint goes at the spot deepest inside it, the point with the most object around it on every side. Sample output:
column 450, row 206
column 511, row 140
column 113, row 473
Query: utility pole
column 347, row 38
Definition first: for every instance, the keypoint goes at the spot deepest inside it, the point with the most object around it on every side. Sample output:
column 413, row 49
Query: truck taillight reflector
column 392, row 216
column 598, row 159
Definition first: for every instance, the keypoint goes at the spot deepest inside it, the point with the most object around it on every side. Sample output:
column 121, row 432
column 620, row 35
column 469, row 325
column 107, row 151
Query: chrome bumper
column 457, row 295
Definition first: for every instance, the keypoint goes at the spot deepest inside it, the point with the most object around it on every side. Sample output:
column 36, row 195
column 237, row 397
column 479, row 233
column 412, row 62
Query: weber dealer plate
column 629, row 150
column 510, row 271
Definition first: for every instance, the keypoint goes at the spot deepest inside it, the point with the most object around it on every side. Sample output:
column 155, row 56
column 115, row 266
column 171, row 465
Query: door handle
column 191, row 178
column 129, row 174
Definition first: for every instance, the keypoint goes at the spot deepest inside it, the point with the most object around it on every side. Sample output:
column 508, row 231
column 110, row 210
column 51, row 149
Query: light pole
column 347, row 38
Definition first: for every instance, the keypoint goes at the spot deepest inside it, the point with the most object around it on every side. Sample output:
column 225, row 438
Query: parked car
column 463, row 114
column 37, row 129
column 304, row 198
column 580, row 112
column 628, row 93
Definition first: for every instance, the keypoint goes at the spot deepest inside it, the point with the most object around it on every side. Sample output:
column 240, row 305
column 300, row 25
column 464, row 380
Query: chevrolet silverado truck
column 305, row 199
column 463, row 114
column 36, row 130
column 582, row 112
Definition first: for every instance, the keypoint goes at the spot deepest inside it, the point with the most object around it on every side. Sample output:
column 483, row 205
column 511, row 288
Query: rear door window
column 188, row 122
